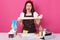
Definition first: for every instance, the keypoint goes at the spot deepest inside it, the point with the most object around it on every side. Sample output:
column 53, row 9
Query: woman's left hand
column 37, row 21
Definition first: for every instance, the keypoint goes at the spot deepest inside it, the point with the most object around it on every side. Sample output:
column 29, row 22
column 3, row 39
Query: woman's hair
column 32, row 10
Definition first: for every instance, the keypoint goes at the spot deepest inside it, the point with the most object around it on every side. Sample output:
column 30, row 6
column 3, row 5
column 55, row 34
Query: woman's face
column 28, row 6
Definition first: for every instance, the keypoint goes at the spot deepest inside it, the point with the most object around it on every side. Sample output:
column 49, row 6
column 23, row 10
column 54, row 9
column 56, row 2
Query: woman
column 28, row 11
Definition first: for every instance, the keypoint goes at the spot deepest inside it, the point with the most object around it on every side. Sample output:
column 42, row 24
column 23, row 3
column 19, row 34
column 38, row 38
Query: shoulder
column 22, row 14
column 35, row 13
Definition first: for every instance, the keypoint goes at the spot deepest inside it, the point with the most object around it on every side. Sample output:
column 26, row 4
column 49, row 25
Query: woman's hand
column 20, row 21
column 37, row 21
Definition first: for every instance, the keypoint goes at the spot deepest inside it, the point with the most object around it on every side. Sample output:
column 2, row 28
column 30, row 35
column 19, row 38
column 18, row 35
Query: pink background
column 10, row 9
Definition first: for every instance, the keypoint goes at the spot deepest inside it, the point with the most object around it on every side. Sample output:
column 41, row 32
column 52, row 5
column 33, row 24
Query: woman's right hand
column 20, row 21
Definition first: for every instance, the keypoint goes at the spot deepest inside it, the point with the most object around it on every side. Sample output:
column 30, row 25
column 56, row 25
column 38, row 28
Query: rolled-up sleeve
column 36, row 14
column 21, row 14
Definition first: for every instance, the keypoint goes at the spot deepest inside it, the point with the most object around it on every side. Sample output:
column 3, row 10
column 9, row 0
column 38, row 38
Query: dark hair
column 32, row 10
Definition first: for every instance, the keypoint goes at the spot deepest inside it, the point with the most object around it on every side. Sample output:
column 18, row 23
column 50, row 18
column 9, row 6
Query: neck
column 28, row 12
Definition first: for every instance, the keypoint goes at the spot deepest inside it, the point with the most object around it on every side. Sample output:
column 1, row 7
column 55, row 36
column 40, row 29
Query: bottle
column 40, row 31
column 44, row 32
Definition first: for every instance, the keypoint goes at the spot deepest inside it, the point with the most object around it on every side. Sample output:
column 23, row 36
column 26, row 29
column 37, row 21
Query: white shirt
column 35, row 14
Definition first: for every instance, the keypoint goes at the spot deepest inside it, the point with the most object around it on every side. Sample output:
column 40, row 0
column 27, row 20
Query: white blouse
column 35, row 14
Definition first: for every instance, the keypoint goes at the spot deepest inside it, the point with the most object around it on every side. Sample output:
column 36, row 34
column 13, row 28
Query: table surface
column 4, row 36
